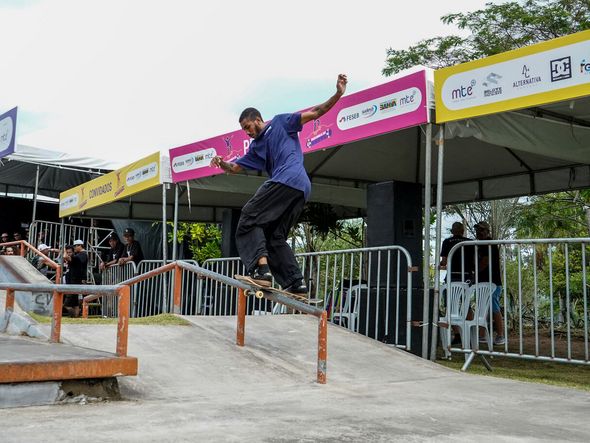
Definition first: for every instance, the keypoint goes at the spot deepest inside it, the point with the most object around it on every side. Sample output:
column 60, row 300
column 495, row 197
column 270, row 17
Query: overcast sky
column 121, row 79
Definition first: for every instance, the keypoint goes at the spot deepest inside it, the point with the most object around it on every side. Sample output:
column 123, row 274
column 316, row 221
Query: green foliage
column 496, row 28
column 204, row 239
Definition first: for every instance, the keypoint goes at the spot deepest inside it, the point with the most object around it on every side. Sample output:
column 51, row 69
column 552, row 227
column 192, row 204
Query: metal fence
column 542, row 287
column 153, row 296
column 50, row 233
column 366, row 290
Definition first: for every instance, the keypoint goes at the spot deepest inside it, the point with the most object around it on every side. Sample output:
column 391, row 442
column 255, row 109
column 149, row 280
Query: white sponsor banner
column 545, row 71
column 392, row 105
column 193, row 160
column 70, row 202
column 141, row 174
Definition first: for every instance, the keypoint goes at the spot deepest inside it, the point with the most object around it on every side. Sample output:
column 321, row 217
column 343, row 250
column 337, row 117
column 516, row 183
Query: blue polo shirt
column 277, row 151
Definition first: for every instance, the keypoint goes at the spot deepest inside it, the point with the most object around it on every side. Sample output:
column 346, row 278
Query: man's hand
column 122, row 261
column 218, row 162
column 341, row 84
column 319, row 110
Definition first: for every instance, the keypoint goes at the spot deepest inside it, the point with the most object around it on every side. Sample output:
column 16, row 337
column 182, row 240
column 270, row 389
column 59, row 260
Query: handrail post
column 84, row 309
column 177, row 288
column 23, row 248
column 241, row 317
column 58, row 299
column 123, row 325
column 322, row 348
column 9, row 300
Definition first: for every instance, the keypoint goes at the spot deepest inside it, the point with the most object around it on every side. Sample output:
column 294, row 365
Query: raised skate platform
column 24, row 359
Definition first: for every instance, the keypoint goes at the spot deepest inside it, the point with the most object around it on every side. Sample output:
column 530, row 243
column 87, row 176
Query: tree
column 204, row 240
column 492, row 30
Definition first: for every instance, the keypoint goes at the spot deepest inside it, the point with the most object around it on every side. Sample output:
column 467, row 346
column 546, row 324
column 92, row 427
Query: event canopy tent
column 58, row 171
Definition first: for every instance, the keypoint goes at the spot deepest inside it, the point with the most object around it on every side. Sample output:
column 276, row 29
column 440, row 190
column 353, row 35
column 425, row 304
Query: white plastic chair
column 349, row 316
column 457, row 309
column 484, row 291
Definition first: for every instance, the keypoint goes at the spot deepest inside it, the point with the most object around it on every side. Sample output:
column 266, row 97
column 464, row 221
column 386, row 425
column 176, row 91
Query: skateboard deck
column 260, row 289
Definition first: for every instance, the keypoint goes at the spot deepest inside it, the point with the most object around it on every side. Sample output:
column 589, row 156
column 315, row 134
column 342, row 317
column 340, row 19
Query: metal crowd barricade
column 367, row 290
column 114, row 275
column 543, row 298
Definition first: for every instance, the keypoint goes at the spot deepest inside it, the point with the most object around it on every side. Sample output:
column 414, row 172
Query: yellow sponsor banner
column 546, row 72
column 131, row 179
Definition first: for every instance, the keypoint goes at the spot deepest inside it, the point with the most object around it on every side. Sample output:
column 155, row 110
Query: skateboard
column 260, row 290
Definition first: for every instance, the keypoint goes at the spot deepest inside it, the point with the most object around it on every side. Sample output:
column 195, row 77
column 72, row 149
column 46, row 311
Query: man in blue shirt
column 266, row 219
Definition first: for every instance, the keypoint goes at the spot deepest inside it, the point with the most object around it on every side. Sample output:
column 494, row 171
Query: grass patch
column 155, row 320
column 559, row 374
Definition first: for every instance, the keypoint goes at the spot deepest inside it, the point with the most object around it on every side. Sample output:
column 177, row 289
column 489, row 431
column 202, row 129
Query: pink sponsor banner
column 395, row 105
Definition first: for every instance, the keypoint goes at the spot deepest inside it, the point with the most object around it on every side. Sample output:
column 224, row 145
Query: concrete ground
column 195, row 384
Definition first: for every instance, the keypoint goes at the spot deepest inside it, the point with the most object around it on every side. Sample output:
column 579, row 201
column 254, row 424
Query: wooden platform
column 26, row 360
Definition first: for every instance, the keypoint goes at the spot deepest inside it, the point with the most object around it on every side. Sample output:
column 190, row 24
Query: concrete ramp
column 195, row 384
column 16, row 269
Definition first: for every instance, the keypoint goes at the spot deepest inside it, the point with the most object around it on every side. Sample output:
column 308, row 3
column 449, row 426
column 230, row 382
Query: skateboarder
column 261, row 236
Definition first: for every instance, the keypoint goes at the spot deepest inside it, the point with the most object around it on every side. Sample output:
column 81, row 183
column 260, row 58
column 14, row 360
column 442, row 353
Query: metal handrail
column 123, row 292
column 179, row 266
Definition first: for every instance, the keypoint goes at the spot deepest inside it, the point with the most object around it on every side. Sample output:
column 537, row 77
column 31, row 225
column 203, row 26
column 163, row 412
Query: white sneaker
column 499, row 340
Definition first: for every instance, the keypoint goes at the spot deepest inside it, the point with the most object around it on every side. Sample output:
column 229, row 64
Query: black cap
column 113, row 236
column 129, row 231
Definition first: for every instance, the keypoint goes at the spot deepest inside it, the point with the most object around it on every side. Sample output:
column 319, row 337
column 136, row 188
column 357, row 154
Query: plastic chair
column 457, row 309
column 482, row 292
column 350, row 316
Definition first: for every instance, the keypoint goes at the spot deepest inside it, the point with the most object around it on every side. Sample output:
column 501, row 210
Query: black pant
column 263, row 228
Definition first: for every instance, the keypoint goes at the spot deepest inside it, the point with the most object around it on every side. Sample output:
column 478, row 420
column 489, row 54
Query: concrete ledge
column 13, row 372
column 15, row 395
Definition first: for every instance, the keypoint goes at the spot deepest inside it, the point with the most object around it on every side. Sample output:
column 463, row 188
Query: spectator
column 68, row 253
column 3, row 239
column 9, row 251
column 115, row 253
column 39, row 262
column 17, row 248
column 78, row 269
column 461, row 270
column 485, row 265
column 132, row 249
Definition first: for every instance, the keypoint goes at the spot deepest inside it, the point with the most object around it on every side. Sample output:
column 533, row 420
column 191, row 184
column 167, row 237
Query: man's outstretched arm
column 319, row 110
column 230, row 167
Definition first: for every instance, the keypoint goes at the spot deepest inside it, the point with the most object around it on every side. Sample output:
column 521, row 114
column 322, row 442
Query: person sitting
column 3, row 239
column 489, row 266
column 461, row 268
column 133, row 250
column 115, row 252
column 9, row 251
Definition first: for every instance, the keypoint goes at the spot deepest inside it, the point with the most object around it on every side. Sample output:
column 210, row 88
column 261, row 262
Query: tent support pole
column 164, row 251
column 35, row 196
column 439, row 197
column 175, row 229
column 426, row 257
column 61, row 244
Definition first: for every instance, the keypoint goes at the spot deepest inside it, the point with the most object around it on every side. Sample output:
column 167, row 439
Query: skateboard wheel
column 247, row 292
column 259, row 294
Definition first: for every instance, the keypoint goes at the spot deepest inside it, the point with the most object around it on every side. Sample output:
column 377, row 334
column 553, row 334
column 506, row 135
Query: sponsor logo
column 528, row 79
column 70, row 201
column 561, row 68
column 314, row 140
column 141, row 174
column 491, row 83
column 193, row 160
column 389, row 104
column 6, row 132
column 349, row 117
column 369, row 112
column 464, row 92
column 585, row 66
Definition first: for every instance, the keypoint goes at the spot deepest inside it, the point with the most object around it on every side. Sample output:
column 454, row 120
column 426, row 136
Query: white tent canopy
column 58, row 171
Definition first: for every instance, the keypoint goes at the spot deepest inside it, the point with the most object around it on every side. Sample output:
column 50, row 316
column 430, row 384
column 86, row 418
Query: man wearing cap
column 17, row 237
column 39, row 262
column 114, row 254
column 78, row 269
column 132, row 250
column 485, row 265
